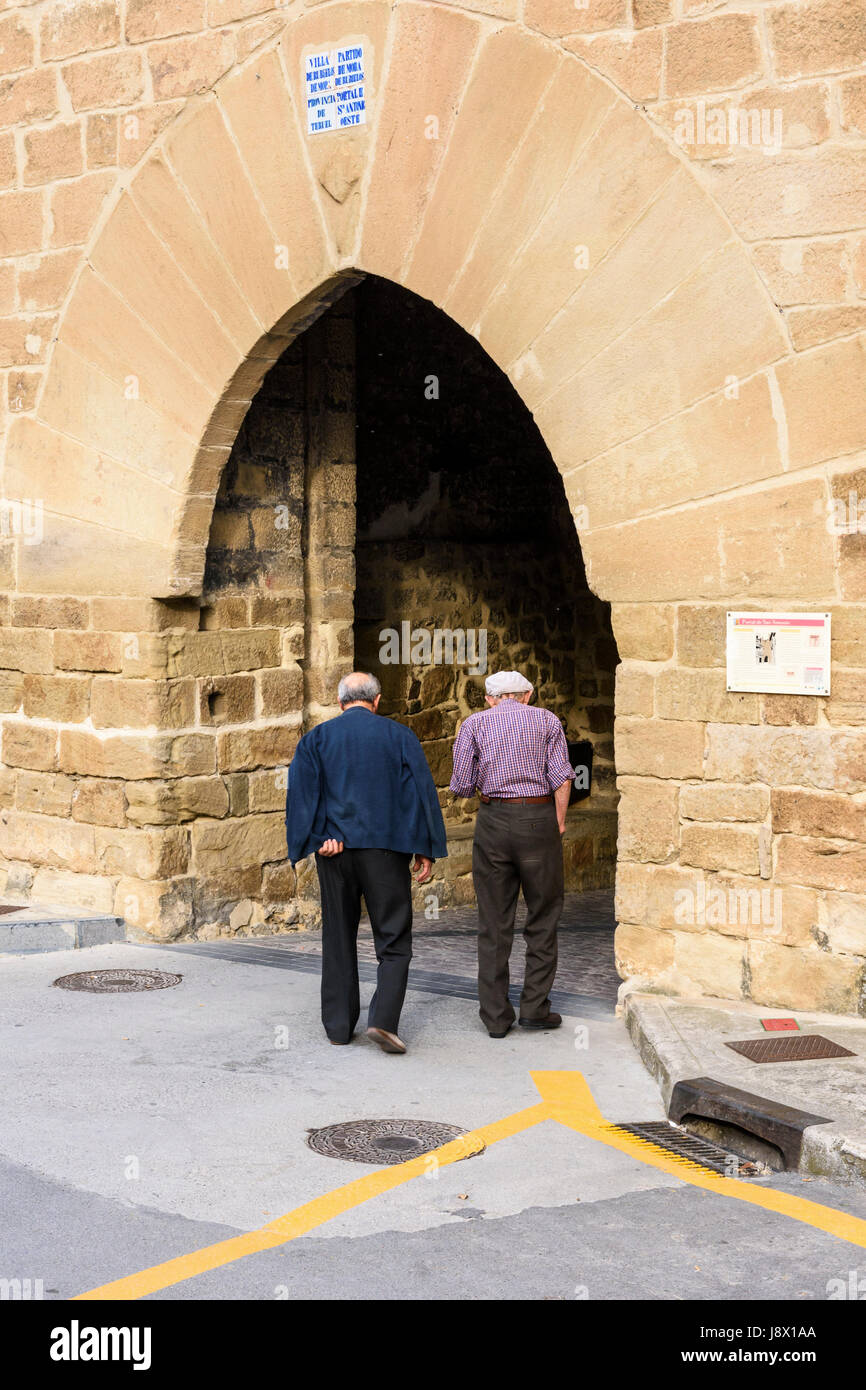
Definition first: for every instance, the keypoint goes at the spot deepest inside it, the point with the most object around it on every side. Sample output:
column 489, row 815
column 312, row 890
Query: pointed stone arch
column 519, row 191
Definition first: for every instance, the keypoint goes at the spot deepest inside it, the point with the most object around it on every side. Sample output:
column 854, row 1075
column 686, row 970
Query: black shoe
column 339, row 1042
column 504, row 1033
column 552, row 1021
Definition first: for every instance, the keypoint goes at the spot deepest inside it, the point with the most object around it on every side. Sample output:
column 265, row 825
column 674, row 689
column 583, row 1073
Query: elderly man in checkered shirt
column 515, row 755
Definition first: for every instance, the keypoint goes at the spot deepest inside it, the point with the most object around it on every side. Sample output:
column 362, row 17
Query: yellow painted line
column 565, row 1098
column 570, row 1102
column 311, row 1214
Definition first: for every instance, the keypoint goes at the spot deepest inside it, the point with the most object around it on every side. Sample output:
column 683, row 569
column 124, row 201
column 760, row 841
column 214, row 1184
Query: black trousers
column 382, row 877
column 516, row 845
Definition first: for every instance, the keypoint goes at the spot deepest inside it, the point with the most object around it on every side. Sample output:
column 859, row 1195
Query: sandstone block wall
column 740, row 858
column 683, row 316
column 87, row 89
column 146, row 744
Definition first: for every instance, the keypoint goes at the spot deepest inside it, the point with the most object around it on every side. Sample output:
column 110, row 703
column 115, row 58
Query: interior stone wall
column 463, row 527
column 281, row 556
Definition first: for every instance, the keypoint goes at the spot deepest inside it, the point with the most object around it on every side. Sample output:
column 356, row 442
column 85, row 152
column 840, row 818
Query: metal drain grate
column 386, row 1141
column 805, row 1047
column 118, row 981
column 690, row 1149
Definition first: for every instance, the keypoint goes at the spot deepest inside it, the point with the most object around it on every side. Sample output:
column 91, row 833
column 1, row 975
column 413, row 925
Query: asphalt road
column 138, row 1128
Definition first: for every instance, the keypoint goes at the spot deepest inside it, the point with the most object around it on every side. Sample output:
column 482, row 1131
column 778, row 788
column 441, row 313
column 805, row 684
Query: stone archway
column 545, row 215
column 369, row 511
column 523, row 195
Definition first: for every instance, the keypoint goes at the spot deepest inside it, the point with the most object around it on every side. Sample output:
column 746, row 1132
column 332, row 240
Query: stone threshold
column 680, row 1039
column 48, row 927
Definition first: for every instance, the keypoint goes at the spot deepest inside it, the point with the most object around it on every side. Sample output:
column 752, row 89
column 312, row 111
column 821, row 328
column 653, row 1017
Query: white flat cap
column 507, row 683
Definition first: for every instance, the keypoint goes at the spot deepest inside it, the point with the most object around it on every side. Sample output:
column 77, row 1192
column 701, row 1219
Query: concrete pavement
column 141, row 1127
column 679, row 1039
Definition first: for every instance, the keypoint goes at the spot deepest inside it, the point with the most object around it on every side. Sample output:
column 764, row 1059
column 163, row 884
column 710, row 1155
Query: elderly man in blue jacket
column 362, row 798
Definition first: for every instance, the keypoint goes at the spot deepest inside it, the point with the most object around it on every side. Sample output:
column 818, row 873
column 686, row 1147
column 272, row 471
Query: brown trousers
column 516, row 846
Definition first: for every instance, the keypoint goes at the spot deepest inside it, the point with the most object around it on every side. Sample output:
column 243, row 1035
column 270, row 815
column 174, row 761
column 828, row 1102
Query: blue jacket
column 362, row 779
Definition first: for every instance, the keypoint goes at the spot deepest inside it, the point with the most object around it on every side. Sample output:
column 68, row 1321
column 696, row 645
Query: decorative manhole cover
column 386, row 1141
column 118, row 981
column 805, row 1047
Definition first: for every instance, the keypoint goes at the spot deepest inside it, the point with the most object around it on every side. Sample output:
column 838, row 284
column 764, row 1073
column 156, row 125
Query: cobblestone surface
column 447, row 945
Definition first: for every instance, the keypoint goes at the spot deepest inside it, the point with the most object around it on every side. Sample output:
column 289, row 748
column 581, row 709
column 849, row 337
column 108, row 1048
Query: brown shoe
column 389, row 1042
column 552, row 1021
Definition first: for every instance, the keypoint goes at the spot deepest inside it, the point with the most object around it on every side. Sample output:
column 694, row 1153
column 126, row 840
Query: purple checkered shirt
column 510, row 749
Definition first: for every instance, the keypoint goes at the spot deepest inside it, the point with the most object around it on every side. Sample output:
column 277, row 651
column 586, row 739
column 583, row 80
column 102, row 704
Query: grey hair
column 360, row 685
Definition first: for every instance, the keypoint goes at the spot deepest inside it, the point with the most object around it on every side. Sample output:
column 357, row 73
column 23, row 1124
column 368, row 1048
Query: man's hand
column 331, row 847
column 422, row 868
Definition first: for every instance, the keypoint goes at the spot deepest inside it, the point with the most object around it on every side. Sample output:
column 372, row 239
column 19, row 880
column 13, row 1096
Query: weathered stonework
column 682, row 311
column 176, row 823
column 471, row 539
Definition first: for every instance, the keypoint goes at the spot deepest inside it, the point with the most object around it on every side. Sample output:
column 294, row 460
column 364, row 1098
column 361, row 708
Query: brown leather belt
column 523, row 800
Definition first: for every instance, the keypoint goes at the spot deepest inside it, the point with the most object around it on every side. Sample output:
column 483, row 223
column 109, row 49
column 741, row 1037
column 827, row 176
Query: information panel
column 335, row 86
column 779, row 653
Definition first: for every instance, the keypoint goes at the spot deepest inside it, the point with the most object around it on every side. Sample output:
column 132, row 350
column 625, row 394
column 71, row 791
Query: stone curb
column 836, row 1150
column 20, row 935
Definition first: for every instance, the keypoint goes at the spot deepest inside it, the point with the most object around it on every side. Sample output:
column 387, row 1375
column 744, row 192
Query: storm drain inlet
column 118, row 981
column 691, row 1149
column 386, row 1141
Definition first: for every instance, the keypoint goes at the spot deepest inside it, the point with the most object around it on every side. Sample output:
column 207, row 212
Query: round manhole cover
column 118, row 981
column 386, row 1141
